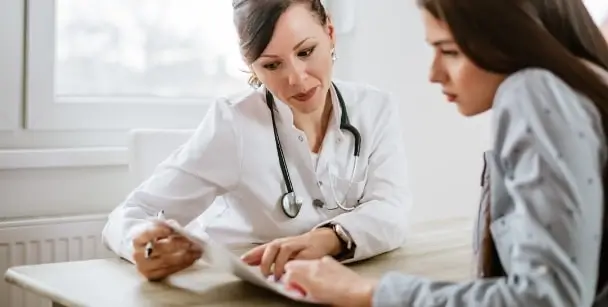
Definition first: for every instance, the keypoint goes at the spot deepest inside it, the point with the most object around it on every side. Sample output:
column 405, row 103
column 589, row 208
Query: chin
column 468, row 112
column 307, row 107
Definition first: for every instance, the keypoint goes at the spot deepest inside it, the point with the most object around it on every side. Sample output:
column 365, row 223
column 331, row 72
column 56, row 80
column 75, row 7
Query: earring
column 254, row 82
column 333, row 54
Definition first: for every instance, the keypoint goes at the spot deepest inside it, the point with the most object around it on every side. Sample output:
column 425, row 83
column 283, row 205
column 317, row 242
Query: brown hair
column 505, row 36
column 255, row 21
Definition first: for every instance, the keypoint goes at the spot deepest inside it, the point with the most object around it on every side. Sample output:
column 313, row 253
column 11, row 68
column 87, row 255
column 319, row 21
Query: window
column 598, row 9
column 123, row 64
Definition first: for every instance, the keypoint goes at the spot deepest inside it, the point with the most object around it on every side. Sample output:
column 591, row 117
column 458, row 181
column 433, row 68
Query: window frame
column 11, row 63
column 46, row 112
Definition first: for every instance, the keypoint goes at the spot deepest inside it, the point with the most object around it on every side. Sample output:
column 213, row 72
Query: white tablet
column 217, row 256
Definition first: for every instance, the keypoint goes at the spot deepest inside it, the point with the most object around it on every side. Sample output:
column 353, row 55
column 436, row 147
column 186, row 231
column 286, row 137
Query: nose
column 297, row 74
column 437, row 74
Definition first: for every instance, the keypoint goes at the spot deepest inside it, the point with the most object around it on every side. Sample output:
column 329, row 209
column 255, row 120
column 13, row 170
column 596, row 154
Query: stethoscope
column 292, row 204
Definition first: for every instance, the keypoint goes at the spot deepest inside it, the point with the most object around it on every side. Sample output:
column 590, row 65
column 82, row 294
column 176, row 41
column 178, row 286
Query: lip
column 305, row 96
column 449, row 96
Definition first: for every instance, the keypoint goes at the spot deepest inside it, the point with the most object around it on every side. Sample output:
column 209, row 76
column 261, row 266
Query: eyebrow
column 294, row 48
column 441, row 42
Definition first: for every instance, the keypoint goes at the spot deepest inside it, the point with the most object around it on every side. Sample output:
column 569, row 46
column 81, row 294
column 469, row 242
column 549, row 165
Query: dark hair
column 505, row 36
column 255, row 21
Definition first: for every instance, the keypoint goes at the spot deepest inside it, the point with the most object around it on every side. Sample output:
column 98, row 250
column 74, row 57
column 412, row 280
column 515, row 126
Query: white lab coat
column 229, row 168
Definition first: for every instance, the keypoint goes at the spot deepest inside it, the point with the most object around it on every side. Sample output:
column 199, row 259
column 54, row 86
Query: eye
column 451, row 53
column 271, row 66
column 306, row 52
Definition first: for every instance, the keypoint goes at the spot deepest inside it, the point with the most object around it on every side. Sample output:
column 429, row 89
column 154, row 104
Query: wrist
column 363, row 294
column 331, row 241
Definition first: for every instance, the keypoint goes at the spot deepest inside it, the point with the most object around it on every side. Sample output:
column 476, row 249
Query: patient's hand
column 171, row 252
column 273, row 256
column 326, row 281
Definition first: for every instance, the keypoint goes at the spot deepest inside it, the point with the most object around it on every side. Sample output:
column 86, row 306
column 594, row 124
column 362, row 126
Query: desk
column 438, row 250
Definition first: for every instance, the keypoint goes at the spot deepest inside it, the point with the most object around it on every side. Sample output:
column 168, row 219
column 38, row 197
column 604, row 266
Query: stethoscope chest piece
column 291, row 204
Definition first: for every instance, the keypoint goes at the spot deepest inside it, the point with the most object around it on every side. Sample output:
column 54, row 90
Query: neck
column 314, row 124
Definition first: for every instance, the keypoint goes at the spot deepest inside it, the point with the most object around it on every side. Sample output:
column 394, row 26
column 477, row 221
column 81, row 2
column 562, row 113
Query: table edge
column 12, row 277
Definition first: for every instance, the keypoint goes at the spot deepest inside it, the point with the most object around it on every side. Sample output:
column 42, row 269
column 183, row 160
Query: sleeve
column 379, row 224
column 548, row 233
column 183, row 185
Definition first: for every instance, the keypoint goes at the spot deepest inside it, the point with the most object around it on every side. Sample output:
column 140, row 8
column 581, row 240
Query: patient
column 540, row 67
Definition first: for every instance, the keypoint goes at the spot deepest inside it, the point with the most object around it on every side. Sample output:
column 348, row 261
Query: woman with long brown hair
column 540, row 66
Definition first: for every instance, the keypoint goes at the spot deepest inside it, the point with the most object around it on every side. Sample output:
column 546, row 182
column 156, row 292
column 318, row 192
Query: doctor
column 304, row 166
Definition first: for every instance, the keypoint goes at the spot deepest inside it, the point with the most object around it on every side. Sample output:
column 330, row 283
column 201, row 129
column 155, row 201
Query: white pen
column 159, row 216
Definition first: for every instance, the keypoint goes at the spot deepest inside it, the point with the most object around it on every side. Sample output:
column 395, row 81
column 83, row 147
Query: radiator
column 46, row 240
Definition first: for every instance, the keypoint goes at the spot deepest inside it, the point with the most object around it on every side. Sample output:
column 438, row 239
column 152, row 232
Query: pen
column 159, row 216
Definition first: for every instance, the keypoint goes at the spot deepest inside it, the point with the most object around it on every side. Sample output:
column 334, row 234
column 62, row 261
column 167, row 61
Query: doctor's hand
column 273, row 256
column 326, row 281
column 171, row 252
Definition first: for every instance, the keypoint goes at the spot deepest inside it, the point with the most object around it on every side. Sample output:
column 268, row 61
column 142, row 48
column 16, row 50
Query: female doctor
column 304, row 165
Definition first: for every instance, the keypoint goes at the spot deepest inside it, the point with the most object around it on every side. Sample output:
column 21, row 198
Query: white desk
column 438, row 250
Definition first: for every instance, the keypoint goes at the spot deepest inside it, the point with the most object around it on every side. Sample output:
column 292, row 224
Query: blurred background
column 76, row 76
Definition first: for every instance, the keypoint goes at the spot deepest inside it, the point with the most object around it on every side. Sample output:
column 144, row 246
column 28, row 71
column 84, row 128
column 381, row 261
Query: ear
column 330, row 30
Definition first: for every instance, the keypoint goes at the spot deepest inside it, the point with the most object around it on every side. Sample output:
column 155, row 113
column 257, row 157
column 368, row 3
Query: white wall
column 444, row 149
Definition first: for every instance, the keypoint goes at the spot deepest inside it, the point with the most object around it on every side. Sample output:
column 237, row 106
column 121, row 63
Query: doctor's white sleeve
column 379, row 224
column 183, row 185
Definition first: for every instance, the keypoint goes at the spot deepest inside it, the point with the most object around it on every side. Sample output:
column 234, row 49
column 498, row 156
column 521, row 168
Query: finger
column 299, row 266
column 145, row 266
column 167, row 264
column 286, row 252
column 158, row 231
column 170, row 245
column 254, row 256
column 270, row 253
column 296, row 287
column 163, row 272
column 297, row 275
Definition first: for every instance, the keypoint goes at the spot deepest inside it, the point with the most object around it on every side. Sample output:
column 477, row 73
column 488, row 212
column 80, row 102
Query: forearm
column 182, row 202
column 395, row 289
column 375, row 227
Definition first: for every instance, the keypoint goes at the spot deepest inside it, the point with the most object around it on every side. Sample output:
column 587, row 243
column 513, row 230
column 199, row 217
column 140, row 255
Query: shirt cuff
column 394, row 289
column 345, row 253
column 126, row 247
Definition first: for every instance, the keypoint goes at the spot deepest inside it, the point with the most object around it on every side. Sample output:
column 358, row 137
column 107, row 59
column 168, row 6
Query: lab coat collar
column 285, row 114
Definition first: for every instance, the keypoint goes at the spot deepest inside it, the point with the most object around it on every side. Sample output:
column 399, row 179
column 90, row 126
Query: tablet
column 219, row 257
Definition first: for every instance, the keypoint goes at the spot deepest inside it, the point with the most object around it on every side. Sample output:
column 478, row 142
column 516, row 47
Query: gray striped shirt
column 546, row 203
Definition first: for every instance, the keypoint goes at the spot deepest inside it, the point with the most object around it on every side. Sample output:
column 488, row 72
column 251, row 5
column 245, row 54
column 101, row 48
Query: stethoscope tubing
column 292, row 199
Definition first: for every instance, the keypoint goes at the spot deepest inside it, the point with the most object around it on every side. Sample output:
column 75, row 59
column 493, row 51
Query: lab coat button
column 320, row 183
column 318, row 203
column 301, row 138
